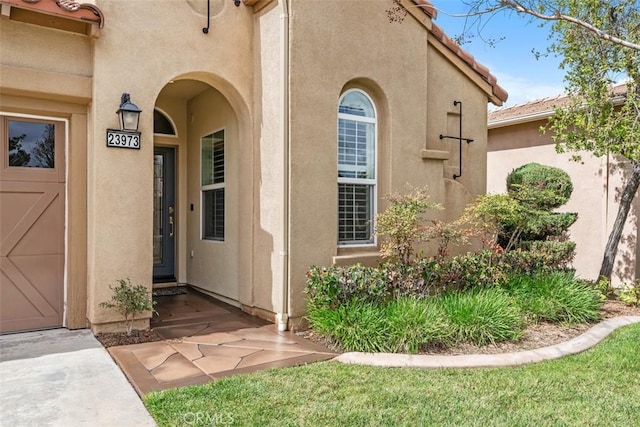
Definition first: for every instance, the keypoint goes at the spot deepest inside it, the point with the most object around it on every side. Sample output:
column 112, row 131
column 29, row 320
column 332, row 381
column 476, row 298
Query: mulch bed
column 539, row 335
column 112, row 339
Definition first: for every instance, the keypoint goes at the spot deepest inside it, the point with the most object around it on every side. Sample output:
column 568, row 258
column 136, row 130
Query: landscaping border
column 575, row 345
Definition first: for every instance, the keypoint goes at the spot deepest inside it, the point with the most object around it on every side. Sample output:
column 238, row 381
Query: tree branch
column 557, row 16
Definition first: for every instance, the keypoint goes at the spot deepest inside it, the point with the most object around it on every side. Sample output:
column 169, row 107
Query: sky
column 511, row 60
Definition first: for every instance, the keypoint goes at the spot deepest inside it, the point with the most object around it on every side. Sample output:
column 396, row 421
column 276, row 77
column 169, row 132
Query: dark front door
column 164, row 216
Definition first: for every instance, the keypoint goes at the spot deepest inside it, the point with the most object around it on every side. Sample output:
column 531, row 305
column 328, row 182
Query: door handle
column 171, row 220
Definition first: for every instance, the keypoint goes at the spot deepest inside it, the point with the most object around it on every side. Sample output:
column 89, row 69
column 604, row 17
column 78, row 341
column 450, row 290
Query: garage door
column 32, row 192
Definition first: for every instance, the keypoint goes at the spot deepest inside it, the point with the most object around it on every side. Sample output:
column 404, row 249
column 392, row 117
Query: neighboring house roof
column 430, row 10
column 538, row 109
column 69, row 9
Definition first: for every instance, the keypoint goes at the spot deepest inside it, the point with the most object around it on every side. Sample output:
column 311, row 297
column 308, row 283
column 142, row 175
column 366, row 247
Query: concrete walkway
column 576, row 345
column 64, row 378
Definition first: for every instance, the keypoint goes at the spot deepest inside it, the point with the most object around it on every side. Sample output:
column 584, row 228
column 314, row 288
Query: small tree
column 402, row 224
column 129, row 300
column 539, row 189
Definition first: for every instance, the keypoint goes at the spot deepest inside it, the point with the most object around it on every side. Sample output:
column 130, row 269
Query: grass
column 599, row 387
column 478, row 316
column 556, row 297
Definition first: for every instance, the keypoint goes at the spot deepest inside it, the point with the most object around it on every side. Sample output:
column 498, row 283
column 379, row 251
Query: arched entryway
column 200, row 190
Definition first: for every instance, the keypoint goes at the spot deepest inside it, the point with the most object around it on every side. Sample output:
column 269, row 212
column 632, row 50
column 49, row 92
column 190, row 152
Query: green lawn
column 600, row 387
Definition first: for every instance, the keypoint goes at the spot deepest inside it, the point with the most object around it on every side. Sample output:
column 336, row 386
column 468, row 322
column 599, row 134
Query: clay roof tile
column 66, row 8
column 439, row 34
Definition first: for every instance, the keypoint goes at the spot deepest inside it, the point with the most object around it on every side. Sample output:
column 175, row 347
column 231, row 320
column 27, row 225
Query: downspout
column 282, row 317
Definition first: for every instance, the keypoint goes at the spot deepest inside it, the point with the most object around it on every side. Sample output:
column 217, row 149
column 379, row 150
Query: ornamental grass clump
column 555, row 297
column 482, row 316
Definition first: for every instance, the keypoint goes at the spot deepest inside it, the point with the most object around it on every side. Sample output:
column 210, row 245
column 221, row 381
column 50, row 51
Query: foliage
column 129, row 300
column 329, row 287
column 465, row 271
column 493, row 217
column 539, row 186
column 593, row 121
column 602, row 286
column 630, row 293
column 407, row 324
column 547, row 256
column 511, row 220
column 555, row 297
column 399, row 325
column 599, row 43
column 401, row 224
column 483, row 316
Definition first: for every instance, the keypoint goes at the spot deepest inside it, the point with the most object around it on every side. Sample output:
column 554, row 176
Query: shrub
column 332, row 286
column 555, row 297
column 464, row 271
column 540, row 186
column 542, row 256
column 630, row 293
column 129, row 300
column 401, row 224
column 482, row 316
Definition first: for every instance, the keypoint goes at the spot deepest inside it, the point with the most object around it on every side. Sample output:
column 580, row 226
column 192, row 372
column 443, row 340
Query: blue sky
column 518, row 71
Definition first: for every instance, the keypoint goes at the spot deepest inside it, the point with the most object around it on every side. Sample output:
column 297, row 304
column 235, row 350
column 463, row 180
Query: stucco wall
column 214, row 265
column 268, row 162
column 140, row 50
column 596, row 181
column 412, row 89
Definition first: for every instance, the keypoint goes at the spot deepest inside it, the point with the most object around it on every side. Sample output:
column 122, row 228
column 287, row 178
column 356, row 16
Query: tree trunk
column 628, row 194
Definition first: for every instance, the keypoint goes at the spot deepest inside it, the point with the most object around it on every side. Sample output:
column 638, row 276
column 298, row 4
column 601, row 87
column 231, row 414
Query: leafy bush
column 540, row 186
column 332, row 286
column 129, row 300
column 464, row 271
column 542, row 256
column 483, row 316
column 401, row 224
column 630, row 293
column 555, row 297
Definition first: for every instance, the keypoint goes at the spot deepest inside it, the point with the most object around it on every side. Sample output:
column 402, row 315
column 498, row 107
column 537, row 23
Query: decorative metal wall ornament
column 205, row 30
column 459, row 138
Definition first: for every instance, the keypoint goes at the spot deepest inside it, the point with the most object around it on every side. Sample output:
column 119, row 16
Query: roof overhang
column 66, row 15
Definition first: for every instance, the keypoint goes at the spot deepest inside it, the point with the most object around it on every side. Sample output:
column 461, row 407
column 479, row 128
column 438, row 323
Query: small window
column 161, row 124
column 356, row 168
column 212, row 186
column 32, row 144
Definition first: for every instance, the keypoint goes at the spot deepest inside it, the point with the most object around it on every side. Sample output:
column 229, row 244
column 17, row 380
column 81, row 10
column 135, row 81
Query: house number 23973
column 122, row 139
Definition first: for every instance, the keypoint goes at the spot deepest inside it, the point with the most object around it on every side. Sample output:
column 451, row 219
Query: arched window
column 161, row 123
column 356, row 168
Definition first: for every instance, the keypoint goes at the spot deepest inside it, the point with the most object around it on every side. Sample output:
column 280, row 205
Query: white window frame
column 361, row 181
column 216, row 186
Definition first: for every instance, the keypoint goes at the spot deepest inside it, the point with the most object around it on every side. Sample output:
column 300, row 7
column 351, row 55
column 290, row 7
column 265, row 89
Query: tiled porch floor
column 205, row 339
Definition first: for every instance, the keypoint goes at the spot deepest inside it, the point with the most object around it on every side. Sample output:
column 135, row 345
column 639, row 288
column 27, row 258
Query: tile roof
column 65, row 8
column 430, row 10
column 539, row 108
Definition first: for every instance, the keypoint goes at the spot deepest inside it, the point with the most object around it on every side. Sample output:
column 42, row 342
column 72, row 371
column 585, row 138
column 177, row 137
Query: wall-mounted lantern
column 127, row 136
column 129, row 114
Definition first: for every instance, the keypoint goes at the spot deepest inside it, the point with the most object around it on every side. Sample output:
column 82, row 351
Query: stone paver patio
column 205, row 340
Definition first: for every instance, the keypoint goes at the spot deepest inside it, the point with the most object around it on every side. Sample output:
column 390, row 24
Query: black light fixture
column 129, row 114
